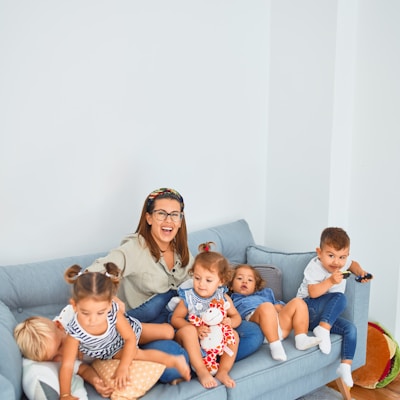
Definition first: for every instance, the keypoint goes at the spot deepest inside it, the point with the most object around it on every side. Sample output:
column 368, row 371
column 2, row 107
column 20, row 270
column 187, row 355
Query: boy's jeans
column 327, row 308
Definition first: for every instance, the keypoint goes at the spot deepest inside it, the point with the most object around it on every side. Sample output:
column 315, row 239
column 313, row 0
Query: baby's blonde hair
column 33, row 336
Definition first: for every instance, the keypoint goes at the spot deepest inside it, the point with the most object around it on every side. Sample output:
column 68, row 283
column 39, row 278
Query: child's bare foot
column 182, row 367
column 206, row 379
column 225, row 379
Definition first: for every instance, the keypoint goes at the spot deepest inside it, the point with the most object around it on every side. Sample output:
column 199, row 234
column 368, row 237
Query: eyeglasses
column 162, row 215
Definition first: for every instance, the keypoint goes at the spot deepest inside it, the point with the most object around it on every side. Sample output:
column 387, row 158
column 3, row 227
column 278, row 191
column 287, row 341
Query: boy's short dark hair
column 334, row 237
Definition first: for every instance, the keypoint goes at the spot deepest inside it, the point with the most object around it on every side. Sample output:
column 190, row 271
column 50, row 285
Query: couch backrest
column 231, row 240
column 20, row 285
column 10, row 357
column 292, row 266
column 39, row 288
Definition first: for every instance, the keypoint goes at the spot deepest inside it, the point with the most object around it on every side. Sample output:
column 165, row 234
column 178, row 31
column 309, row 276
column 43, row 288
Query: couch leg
column 344, row 389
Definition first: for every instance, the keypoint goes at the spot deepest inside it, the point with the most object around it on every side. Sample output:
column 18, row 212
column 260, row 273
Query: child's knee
column 168, row 331
column 266, row 308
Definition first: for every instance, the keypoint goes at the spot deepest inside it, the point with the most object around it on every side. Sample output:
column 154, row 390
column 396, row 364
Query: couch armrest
column 357, row 295
column 10, row 356
column 7, row 389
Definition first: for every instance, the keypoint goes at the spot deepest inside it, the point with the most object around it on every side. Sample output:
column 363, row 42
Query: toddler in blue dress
column 257, row 303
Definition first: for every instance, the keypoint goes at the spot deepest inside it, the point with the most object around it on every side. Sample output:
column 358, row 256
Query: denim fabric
column 251, row 339
column 327, row 308
column 170, row 347
column 154, row 310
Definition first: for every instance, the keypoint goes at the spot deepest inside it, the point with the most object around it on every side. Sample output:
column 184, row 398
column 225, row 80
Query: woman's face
column 165, row 231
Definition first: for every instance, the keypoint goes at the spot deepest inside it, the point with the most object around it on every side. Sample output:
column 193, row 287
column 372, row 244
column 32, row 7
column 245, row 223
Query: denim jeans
column 251, row 338
column 154, row 310
column 170, row 347
column 327, row 308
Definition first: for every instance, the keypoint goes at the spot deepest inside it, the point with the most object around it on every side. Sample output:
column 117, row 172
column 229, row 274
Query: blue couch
column 39, row 289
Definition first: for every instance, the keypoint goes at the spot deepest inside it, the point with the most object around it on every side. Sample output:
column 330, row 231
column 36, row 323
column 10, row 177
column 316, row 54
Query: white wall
column 333, row 140
column 102, row 102
column 301, row 100
column 375, row 199
column 281, row 112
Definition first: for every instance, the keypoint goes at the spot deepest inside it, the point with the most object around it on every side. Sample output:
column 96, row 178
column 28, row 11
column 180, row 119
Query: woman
column 154, row 261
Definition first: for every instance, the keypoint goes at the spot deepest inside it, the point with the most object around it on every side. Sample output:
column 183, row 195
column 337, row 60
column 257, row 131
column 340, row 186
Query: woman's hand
column 121, row 304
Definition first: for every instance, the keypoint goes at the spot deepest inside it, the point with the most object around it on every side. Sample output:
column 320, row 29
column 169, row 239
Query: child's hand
column 203, row 331
column 69, row 397
column 227, row 321
column 336, row 277
column 365, row 277
column 101, row 388
column 121, row 378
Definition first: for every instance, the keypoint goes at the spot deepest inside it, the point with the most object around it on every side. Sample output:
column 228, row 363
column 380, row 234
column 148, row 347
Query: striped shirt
column 108, row 344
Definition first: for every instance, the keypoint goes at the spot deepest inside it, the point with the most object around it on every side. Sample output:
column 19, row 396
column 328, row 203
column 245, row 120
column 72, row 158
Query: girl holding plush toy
column 210, row 273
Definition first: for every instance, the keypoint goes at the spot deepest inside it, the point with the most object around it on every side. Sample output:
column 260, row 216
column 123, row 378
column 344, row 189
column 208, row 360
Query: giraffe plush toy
column 221, row 335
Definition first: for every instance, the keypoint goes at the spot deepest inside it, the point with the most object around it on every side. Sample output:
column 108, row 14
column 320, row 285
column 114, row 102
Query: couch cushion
column 143, row 375
column 10, row 356
column 291, row 264
column 231, row 240
column 273, row 276
column 192, row 390
column 40, row 380
column 258, row 375
column 20, row 285
column 6, row 389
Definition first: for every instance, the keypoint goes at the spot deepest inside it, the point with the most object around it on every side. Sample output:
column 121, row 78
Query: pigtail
column 210, row 259
column 113, row 272
column 205, row 247
column 97, row 285
column 73, row 273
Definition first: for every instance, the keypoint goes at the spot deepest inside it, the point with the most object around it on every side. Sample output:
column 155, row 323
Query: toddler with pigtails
column 210, row 272
column 101, row 330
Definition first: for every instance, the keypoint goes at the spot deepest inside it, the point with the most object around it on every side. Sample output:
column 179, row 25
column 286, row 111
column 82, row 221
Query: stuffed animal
column 221, row 335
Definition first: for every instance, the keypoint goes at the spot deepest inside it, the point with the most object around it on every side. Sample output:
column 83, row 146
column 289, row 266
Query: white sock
column 344, row 372
column 304, row 342
column 325, row 336
column 277, row 351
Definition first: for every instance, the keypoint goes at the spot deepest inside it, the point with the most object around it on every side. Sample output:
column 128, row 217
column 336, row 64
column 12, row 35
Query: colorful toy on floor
column 383, row 359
